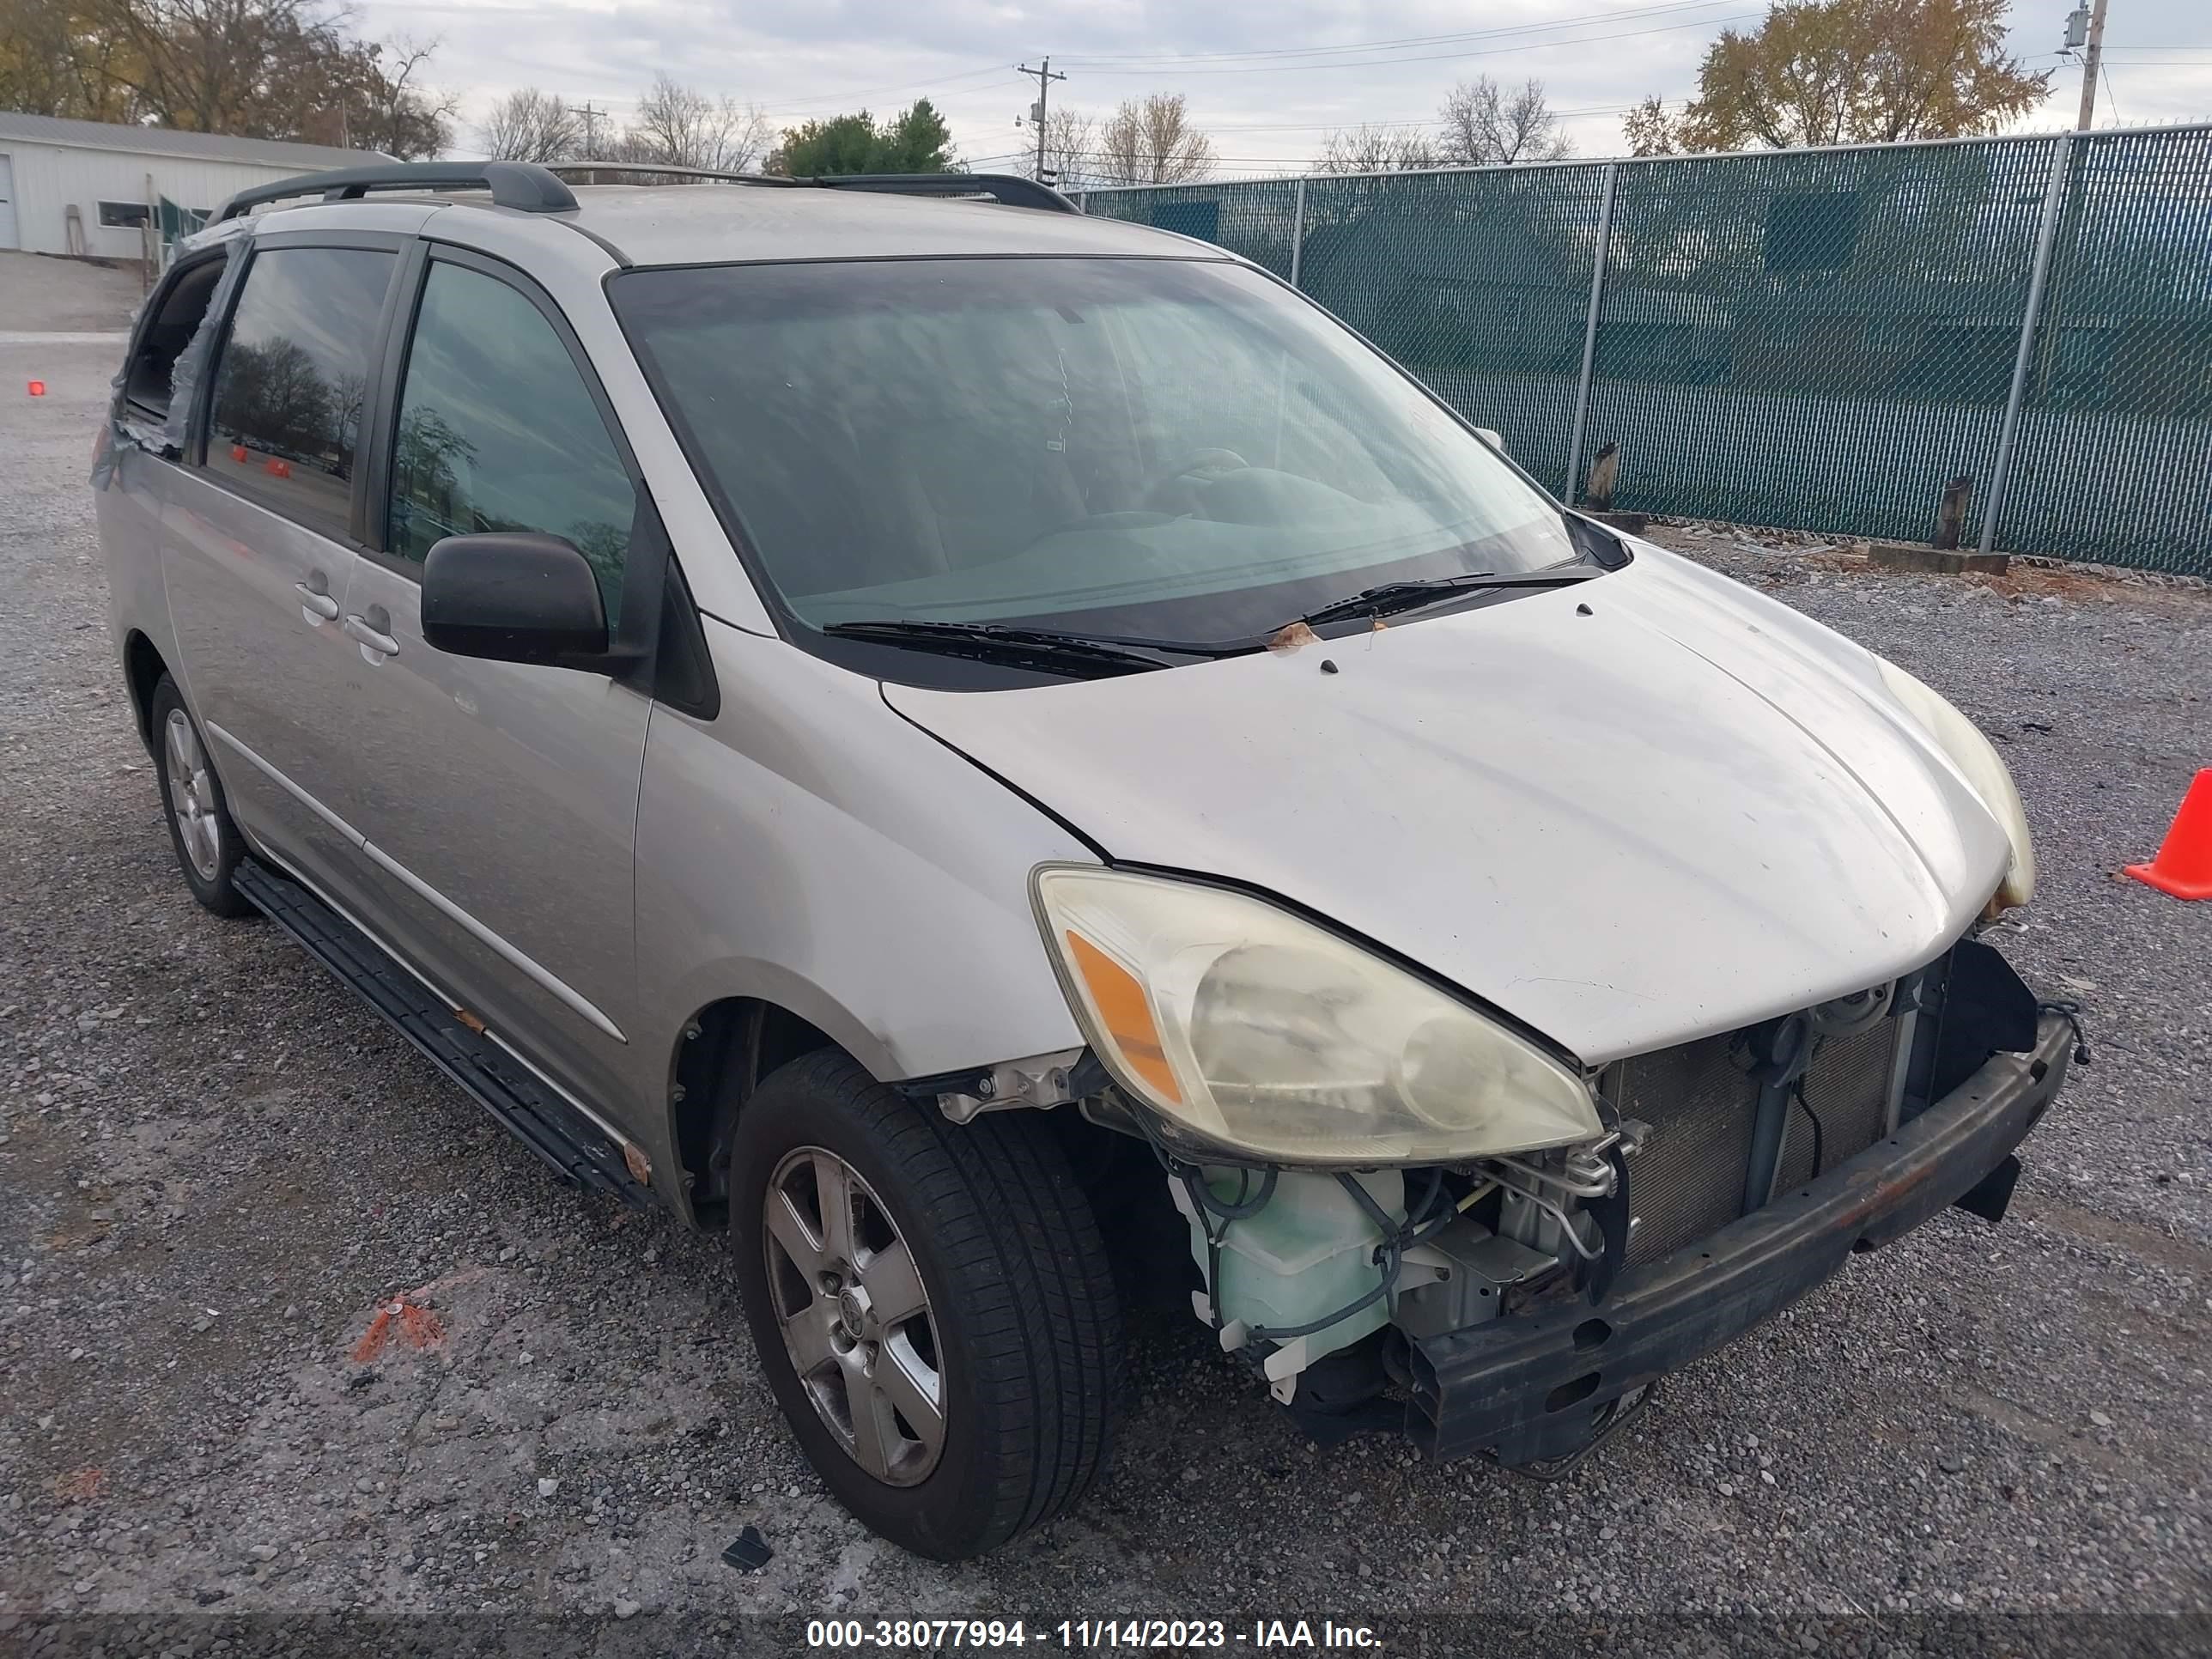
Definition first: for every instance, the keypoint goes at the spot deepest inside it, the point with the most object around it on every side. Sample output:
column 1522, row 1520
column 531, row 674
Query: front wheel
column 932, row 1303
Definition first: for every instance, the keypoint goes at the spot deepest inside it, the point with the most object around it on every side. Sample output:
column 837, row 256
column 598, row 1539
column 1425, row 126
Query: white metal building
column 87, row 187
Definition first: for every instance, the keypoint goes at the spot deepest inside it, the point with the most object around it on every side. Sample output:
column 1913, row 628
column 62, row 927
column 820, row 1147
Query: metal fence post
column 2008, row 433
column 1297, row 232
column 1083, row 200
column 1589, row 330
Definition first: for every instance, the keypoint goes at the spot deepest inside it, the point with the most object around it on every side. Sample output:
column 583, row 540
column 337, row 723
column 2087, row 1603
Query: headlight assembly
column 1985, row 770
column 1256, row 1031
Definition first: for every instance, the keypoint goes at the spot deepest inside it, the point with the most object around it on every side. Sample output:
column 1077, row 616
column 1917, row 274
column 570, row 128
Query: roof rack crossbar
column 521, row 184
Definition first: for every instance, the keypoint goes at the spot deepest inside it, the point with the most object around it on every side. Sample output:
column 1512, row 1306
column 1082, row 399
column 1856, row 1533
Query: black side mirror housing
column 513, row 596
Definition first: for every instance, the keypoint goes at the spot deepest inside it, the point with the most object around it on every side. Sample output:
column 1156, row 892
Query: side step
column 570, row 1144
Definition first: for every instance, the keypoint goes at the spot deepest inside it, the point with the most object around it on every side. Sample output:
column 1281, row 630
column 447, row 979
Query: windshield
column 1167, row 448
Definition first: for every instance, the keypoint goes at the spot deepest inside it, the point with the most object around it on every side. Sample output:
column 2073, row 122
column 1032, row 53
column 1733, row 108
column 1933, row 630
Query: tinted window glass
column 1177, row 449
column 288, row 388
column 498, row 431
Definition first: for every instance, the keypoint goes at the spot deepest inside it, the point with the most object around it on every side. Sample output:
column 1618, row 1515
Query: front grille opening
column 1704, row 1104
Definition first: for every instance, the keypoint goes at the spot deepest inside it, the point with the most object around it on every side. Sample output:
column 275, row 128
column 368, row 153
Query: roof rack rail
column 672, row 170
column 521, row 184
column 1009, row 188
column 1005, row 187
column 535, row 188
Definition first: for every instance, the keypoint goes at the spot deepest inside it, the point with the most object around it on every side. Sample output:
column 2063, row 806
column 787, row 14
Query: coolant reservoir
column 1309, row 1252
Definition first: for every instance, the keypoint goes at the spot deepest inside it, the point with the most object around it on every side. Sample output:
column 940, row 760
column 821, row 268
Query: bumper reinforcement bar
column 1534, row 1387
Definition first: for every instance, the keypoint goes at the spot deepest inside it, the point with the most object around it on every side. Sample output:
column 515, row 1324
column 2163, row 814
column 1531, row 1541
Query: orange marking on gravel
column 417, row 1327
column 374, row 1339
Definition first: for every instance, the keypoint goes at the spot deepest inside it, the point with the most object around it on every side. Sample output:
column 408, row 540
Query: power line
column 1445, row 57
column 1354, row 125
column 1085, row 59
column 806, row 101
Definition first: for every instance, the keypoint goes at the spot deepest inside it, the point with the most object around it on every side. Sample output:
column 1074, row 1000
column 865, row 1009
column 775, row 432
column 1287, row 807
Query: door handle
column 314, row 599
column 374, row 644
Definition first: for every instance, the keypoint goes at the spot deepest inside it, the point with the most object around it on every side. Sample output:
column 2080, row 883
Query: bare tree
column 1486, row 126
column 389, row 109
column 1071, row 143
column 1150, row 141
column 1377, row 150
column 531, row 126
column 682, row 127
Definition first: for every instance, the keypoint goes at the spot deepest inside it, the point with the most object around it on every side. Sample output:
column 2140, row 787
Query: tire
column 1020, row 1327
column 207, row 842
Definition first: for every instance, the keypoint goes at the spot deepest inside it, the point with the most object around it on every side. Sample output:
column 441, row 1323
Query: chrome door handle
column 315, row 600
column 370, row 640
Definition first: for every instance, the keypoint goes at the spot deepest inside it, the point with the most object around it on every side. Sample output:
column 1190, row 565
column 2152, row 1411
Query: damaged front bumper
column 1539, row 1385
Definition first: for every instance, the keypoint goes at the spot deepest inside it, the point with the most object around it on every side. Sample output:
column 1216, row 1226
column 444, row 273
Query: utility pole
column 1045, row 77
column 591, row 117
column 2093, row 56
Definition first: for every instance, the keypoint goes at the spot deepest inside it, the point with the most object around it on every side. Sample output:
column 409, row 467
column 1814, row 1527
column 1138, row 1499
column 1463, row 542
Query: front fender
column 810, row 847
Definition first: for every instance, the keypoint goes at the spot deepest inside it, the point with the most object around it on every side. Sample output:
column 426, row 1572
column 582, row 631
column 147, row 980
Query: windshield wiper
column 1388, row 598
column 1048, row 647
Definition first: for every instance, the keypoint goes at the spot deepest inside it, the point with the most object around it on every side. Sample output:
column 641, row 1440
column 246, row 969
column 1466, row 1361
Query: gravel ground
column 214, row 1166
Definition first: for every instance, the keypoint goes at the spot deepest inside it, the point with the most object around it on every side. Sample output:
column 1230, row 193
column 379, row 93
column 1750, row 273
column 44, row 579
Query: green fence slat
column 1817, row 339
column 2114, row 460
column 1809, row 339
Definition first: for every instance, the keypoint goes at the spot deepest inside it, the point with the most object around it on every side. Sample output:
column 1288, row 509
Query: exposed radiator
column 1847, row 1087
column 1703, row 1107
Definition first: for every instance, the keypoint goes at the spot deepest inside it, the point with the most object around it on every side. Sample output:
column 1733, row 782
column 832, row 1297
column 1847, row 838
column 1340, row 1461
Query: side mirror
column 512, row 596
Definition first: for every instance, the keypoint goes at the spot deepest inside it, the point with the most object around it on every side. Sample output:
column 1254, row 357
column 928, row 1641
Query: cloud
column 1267, row 80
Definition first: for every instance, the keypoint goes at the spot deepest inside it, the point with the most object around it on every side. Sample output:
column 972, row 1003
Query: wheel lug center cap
column 853, row 1310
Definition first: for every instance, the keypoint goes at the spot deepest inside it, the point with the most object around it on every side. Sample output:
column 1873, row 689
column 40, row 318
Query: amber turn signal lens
column 1126, row 1014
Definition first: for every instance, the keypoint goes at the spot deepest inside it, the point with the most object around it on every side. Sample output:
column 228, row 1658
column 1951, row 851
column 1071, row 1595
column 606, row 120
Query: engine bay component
column 1460, row 1279
column 1284, row 1251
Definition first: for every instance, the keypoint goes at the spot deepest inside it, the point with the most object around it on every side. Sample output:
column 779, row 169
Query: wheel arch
column 722, row 1053
column 143, row 668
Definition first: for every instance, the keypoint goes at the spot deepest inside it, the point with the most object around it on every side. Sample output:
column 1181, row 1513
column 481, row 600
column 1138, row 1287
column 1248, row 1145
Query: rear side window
column 166, row 335
column 286, row 417
column 498, row 431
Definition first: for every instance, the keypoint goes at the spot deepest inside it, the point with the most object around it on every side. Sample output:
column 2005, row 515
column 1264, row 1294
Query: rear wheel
column 208, row 843
column 932, row 1303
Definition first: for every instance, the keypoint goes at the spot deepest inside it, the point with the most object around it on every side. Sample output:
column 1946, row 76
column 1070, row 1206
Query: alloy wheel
column 854, row 1315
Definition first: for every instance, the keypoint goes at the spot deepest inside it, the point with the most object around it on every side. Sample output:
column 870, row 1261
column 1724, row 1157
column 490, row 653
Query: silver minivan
column 1020, row 767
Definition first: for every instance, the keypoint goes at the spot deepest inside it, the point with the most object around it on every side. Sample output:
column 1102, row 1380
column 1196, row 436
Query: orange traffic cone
column 2184, row 865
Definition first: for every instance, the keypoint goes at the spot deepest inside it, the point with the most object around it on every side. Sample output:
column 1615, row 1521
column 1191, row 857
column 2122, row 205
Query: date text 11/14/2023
column 941, row 1635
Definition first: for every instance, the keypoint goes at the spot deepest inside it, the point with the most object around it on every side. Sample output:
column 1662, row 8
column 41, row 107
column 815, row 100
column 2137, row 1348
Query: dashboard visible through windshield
column 1165, row 449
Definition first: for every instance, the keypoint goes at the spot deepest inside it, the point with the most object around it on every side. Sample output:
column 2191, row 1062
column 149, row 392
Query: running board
column 568, row 1143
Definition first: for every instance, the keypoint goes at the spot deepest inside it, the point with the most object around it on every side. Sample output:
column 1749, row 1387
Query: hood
column 1630, row 812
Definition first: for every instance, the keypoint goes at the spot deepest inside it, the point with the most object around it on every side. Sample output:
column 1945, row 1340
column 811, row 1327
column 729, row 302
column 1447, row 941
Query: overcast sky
column 1267, row 78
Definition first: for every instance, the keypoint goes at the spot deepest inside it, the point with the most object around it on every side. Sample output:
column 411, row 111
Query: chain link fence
column 1814, row 339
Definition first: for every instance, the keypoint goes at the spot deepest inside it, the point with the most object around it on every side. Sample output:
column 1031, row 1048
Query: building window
column 123, row 215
